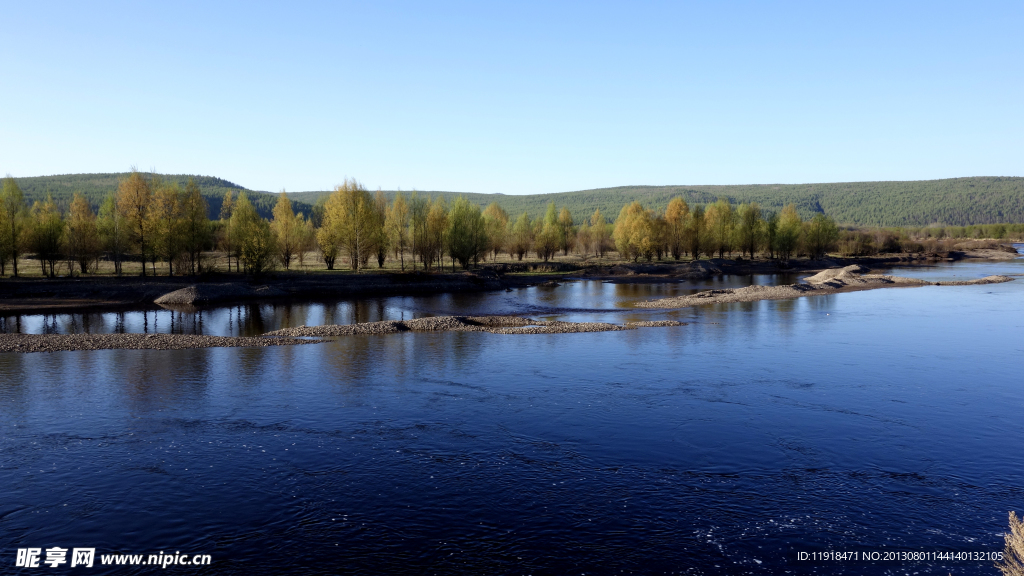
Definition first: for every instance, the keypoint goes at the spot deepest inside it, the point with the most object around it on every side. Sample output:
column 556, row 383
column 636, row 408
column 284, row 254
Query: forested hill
column 955, row 202
column 95, row 188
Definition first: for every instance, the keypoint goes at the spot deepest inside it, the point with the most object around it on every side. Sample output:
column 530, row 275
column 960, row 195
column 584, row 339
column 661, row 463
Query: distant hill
column 954, row 202
column 95, row 188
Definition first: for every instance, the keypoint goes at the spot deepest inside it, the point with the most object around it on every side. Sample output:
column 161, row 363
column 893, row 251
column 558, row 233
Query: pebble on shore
column 831, row 281
column 492, row 324
column 67, row 342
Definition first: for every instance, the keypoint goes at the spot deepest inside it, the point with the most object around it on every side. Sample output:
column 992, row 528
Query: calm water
column 880, row 420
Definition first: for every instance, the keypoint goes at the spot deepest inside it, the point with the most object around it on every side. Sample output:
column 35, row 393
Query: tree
column 13, row 217
column 46, row 234
column 771, row 234
column 750, row 228
column 720, row 220
column 545, row 240
column 134, row 200
column 436, row 227
column 418, row 208
column 381, row 241
column 583, row 239
column 165, row 224
column 227, row 208
column 821, row 236
column 496, row 225
column 659, row 235
column 195, row 225
column 81, row 235
column 467, row 237
column 634, row 233
column 566, row 231
column 349, row 215
column 329, row 243
column 546, row 235
column 790, row 227
column 113, row 231
column 307, row 238
column 396, row 224
column 695, row 233
column 286, row 228
column 520, row 236
column 598, row 233
column 675, row 220
column 256, row 241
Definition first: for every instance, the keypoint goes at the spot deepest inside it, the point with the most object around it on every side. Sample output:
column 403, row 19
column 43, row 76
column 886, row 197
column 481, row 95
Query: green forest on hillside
column 953, row 202
column 95, row 187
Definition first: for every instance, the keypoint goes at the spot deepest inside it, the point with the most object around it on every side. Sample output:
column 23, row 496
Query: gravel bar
column 832, row 281
column 492, row 324
column 67, row 342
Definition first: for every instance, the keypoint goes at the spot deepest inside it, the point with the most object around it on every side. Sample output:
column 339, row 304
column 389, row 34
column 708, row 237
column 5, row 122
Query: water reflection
column 579, row 301
column 758, row 429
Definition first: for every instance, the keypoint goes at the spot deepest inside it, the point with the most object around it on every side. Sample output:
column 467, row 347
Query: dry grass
column 1013, row 553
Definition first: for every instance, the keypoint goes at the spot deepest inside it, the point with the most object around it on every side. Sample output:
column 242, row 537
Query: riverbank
column 38, row 295
column 492, row 324
column 97, row 294
column 832, row 281
column 26, row 343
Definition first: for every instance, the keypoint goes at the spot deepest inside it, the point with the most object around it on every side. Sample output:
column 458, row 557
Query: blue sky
column 518, row 97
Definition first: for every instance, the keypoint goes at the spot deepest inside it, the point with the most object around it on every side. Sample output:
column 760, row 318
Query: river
column 887, row 420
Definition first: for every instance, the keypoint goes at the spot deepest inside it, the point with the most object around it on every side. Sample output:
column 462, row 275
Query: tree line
column 151, row 220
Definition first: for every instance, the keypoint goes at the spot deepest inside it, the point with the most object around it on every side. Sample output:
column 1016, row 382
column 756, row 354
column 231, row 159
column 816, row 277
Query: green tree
column 307, row 238
column 584, row 243
column 396, row 225
column 418, row 208
column 256, row 241
column 566, row 231
column 496, row 224
column 46, row 234
column 467, row 237
column 598, row 233
column 675, row 221
column 436, row 228
column 286, row 227
column 750, row 228
column 821, row 235
column 329, row 242
column 165, row 224
column 113, row 231
column 195, row 224
column 790, row 227
column 381, row 240
column 134, row 200
column 227, row 242
column 771, row 234
column 720, row 220
column 634, row 233
column 520, row 236
column 349, row 213
column 13, row 218
column 81, row 235
column 695, row 232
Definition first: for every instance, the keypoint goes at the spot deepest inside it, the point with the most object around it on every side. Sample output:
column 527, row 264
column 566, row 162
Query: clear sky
column 517, row 97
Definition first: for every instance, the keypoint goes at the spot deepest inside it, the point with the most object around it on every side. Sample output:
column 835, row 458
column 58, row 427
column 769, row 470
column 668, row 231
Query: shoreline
column 832, row 281
column 115, row 294
column 30, row 343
